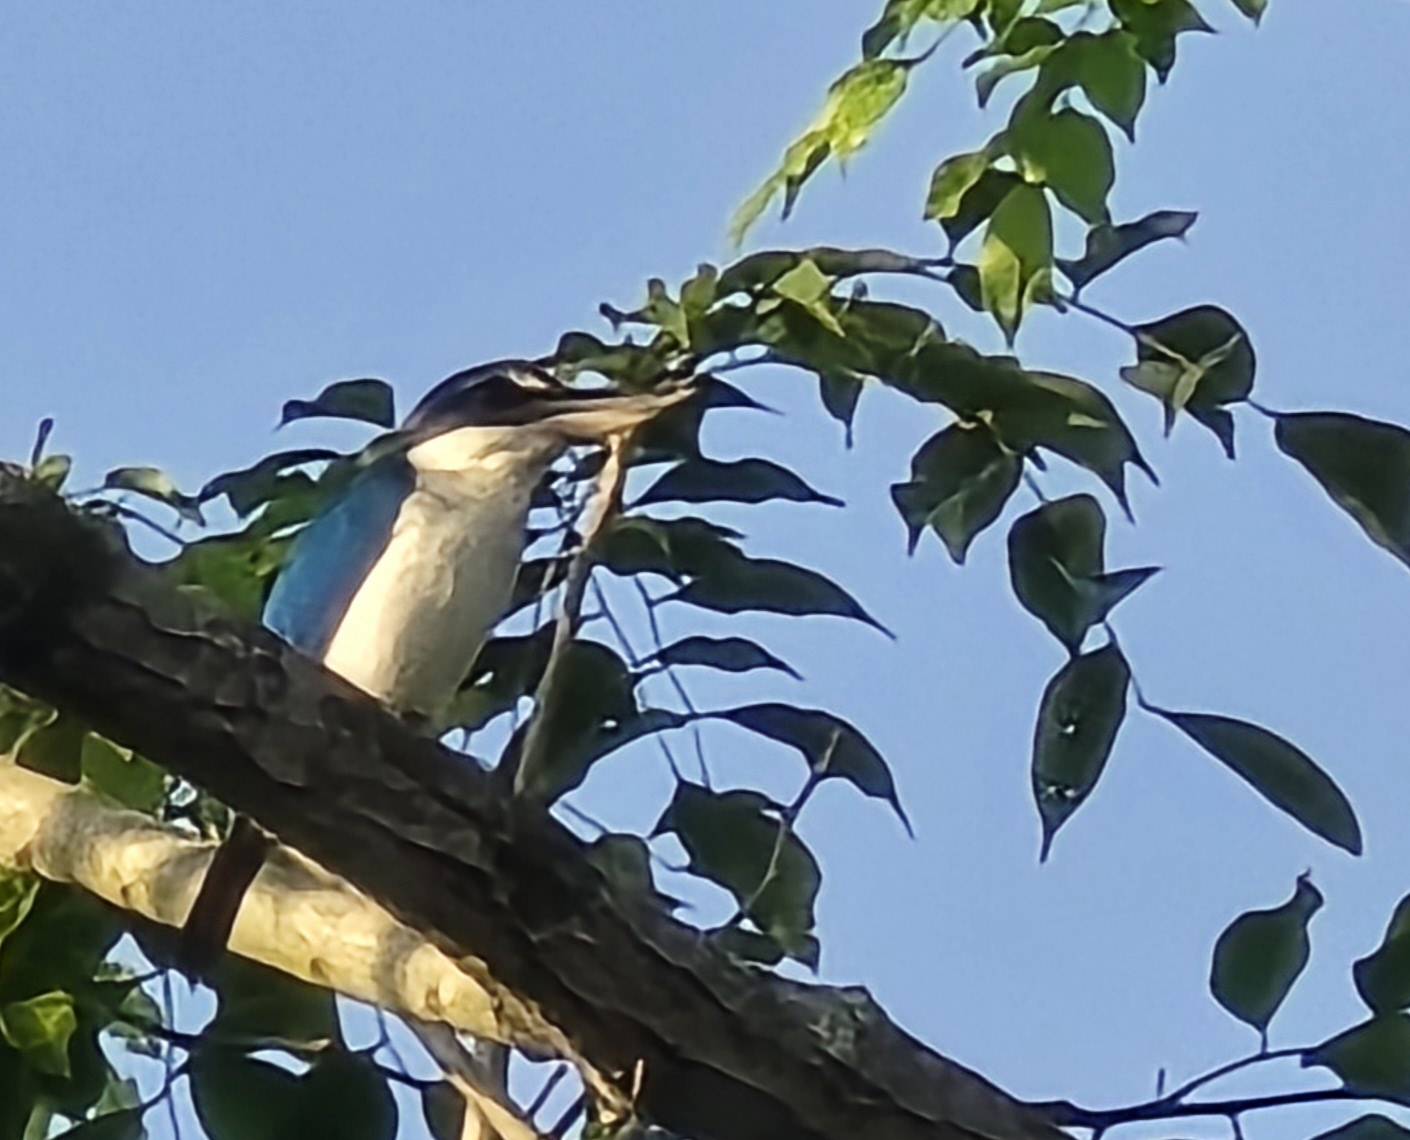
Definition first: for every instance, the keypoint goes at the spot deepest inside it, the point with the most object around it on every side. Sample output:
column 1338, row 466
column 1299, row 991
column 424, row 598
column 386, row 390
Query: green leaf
column 900, row 16
column 258, row 1001
column 856, row 103
column 55, row 750
column 345, row 1096
column 1068, row 152
column 978, row 203
column 1285, row 776
column 117, row 773
column 444, row 1106
column 810, row 288
column 40, row 1028
column 1110, row 73
column 1056, row 567
column 1364, row 465
column 1383, row 976
column 741, row 584
column 1261, row 954
column 52, row 471
column 960, row 480
column 732, row 654
column 1372, row 1126
column 155, row 484
column 1108, row 245
column 1078, row 719
column 1372, row 1059
column 572, row 752
column 125, row 1124
column 674, row 548
column 832, row 747
column 370, row 401
column 1253, row 9
column 951, row 181
column 1016, row 258
column 17, row 891
column 238, row 1097
column 257, row 484
column 1156, row 24
column 739, row 841
column 1002, row 68
column 701, row 480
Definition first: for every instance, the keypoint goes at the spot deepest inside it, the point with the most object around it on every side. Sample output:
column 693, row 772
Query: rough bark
column 661, row 1022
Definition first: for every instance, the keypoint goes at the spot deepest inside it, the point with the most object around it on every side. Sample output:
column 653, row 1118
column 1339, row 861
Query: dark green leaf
column 840, row 394
column 576, row 747
column 55, row 750
column 252, row 486
column 1281, row 773
column 116, row 772
column 742, row 584
column 1383, row 976
column 125, row 1124
column 41, row 440
column 625, row 861
column 1108, row 245
column 1078, row 718
column 1056, row 567
column 1372, row 1126
column 732, row 654
column 1156, row 24
column 1364, row 465
column 444, row 1106
column 1261, row 954
column 17, row 891
column 1068, row 152
column 238, row 1097
column 739, row 481
column 258, row 1001
column 831, row 746
column 960, row 480
column 1253, row 9
column 370, row 401
column 1015, row 261
column 154, row 484
column 344, row 1096
column 977, row 204
column 1110, row 73
column 738, row 840
column 747, row 946
column 1371, row 1059
column 674, row 548
column 40, row 1028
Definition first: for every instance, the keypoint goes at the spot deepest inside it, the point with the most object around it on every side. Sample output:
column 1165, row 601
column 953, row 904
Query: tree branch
column 660, row 1022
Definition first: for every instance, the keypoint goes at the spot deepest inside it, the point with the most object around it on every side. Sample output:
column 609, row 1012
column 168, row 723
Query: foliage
column 1073, row 71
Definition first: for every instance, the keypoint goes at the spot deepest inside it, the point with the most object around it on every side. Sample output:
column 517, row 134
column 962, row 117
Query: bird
column 399, row 579
column 397, row 583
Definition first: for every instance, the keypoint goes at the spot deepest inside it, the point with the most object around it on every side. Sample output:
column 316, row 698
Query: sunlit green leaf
column 738, row 840
column 154, row 484
column 1068, row 152
column 1002, row 68
column 1110, row 73
column 1261, row 954
column 1278, row 771
column 40, row 1028
column 1371, row 1059
column 978, row 202
column 52, row 471
column 116, row 772
column 1108, row 245
column 17, row 891
column 1078, row 719
column 1364, row 465
column 1015, row 261
column 900, row 16
column 960, row 480
column 951, row 181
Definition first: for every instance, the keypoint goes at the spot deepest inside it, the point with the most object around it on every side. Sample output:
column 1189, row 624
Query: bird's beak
column 586, row 416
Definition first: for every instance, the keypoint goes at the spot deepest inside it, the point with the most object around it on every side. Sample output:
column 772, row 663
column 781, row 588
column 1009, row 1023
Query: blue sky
column 210, row 208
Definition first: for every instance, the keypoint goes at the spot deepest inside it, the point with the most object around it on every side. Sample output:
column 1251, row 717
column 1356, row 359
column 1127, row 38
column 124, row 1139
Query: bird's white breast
column 446, row 576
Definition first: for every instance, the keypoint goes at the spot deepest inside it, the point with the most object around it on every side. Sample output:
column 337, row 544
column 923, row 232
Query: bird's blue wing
column 333, row 555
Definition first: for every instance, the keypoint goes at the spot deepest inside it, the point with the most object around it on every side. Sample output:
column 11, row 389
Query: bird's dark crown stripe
column 333, row 556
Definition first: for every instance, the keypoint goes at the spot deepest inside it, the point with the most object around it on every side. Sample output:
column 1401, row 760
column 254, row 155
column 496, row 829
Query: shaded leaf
column 1371, row 1059
column 960, row 480
column 588, row 739
column 1156, row 24
column 370, row 401
column 1253, row 9
column 1285, row 776
column 116, row 772
column 40, row 1028
column 344, row 1096
column 444, row 1107
column 258, row 1001
column 1110, row 73
column 155, row 484
column 17, row 891
column 673, row 548
column 703, row 480
column 252, row 486
column 1015, row 260
column 55, row 750
column 1372, row 1126
column 1261, row 954
column 125, row 1124
column 742, row 584
column 1108, row 245
column 831, row 746
column 237, row 1097
column 625, row 860
column 978, row 203
column 1383, row 976
column 1364, row 465
column 1078, row 719
column 1056, row 568
column 732, row 654
column 739, row 841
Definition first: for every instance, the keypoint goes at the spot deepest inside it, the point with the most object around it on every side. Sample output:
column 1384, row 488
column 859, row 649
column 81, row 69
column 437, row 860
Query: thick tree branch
column 296, row 917
column 660, row 1022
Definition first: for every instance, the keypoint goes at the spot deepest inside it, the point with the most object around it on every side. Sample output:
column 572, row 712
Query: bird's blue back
column 333, row 554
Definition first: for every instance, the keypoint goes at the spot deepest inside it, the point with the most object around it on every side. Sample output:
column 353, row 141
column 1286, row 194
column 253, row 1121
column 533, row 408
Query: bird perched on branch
column 397, row 583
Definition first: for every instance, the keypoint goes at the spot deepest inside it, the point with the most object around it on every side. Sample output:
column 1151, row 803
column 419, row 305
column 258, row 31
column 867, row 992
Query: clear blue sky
column 209, row 208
